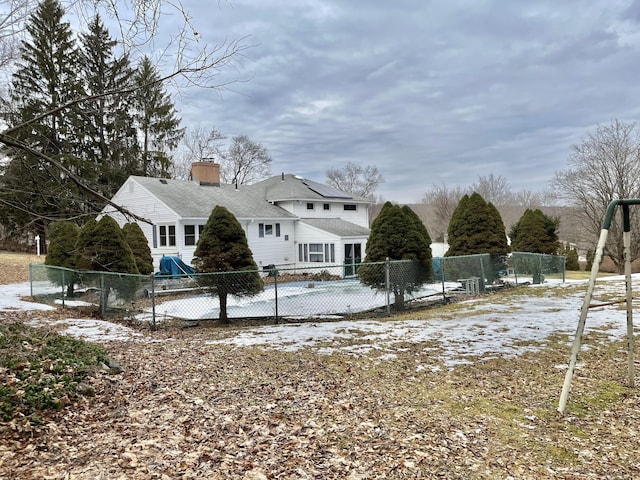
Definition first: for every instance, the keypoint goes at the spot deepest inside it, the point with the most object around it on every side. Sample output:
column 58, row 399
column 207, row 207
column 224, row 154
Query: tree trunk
column 398, row 303
column 222, row 295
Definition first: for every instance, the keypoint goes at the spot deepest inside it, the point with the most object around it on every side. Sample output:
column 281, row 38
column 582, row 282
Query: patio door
column 352, row 258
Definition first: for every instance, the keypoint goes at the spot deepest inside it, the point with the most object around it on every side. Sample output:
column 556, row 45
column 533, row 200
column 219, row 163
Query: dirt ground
column 14, row 267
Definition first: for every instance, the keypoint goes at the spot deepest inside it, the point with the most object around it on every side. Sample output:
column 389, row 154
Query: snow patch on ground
column 480, row 327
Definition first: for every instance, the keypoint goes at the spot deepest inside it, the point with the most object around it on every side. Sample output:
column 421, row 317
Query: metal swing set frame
column 586, row 304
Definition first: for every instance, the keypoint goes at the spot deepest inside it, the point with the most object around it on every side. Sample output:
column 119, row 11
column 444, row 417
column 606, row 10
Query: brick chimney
column 206, row 173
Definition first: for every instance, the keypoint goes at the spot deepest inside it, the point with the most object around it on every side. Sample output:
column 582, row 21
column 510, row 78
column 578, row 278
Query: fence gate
column 577, row 341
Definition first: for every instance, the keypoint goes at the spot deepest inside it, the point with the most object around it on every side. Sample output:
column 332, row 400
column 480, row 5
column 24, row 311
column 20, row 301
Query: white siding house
column 290, row 222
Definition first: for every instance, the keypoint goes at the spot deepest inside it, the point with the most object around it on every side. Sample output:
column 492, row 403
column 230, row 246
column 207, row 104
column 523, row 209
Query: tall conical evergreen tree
column 46, row 78
column 397, row 233
column 223, row 247
column 535, row 232
column 476, row 227
column 139, row 246
column 63, row 237
column 572, row 259
column 419, row 243
column 111, row 143
column 156, row 120
column 102, row 247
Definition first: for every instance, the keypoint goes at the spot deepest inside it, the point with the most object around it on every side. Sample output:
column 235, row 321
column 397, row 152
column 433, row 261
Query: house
column 289, row 221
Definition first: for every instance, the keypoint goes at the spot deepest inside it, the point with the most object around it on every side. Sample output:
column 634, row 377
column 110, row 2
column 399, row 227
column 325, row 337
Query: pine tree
column 63, row 237
column 111, row 143
column 591, row 255
column 139, row 246
column 476, row 227
column 223, row 247
column 46, row 78
column 535, row 232
column 102, row 247
column 419, row 243
column 156, row 120
column 571, row 255
column 397, row 233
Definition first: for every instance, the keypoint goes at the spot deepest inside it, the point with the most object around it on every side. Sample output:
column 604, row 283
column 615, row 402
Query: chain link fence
column 287, row 294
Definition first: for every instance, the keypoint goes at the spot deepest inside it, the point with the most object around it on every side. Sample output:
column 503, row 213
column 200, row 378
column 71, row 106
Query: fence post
column 153, row 302
column 63, row 288
column 387, row 282
column 444, row 292
column 541, row 274
column 275, row 286
column 103, row 300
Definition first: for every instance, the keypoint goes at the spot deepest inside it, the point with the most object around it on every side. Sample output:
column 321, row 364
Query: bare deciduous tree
column 198, row 144
column 527, row 199
column 604, row 167
column 245, row 163
column 494, row 189
column 356, row 179
column 443, row 201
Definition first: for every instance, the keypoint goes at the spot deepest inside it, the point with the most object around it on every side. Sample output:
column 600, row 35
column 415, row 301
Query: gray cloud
column 429, row 92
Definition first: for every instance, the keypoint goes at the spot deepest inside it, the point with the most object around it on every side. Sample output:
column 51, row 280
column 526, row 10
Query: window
column 167, row 235
column 326, row 206
column 309, row 206
column 267, row 229
column 317, row 252
column 189, row 235
column 350, row 207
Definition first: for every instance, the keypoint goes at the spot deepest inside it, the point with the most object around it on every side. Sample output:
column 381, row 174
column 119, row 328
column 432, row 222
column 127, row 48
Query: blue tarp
column 170, row 265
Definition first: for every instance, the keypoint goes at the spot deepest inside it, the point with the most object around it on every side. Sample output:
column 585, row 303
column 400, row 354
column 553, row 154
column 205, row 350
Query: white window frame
column 317, row 252
column 268, row 229
column 167, row 235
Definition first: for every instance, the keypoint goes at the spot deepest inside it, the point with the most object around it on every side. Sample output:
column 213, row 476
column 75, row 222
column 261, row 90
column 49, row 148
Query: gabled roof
column 292, row 187
column 192, row 200
column 337, row 226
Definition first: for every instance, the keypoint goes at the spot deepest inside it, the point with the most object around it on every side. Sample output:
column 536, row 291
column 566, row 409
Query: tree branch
column 12, row 142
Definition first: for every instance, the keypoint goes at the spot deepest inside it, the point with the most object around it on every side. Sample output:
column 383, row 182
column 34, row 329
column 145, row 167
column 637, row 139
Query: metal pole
column 444, row 293
column 275, row 286
column 103, row 300
column 63, row 288
column 388, row 284
column 626, row 241
column 577, row 341
column 153, row 302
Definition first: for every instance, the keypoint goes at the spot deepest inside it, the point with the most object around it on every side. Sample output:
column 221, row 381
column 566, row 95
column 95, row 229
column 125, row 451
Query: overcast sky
column 431, row 92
